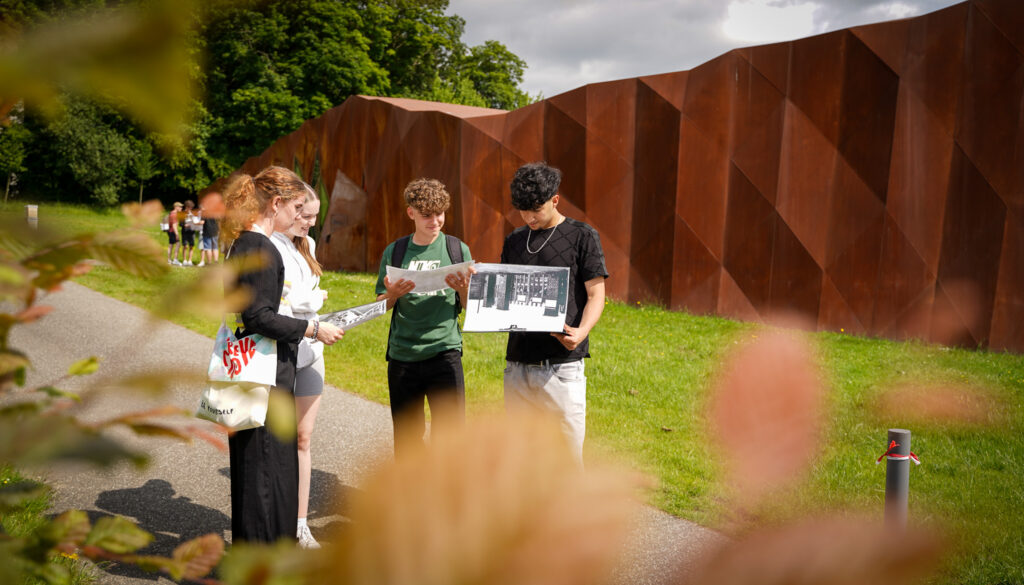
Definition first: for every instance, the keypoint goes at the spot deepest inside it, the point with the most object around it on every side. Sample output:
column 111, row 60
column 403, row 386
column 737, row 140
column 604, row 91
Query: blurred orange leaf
column 825, row 551
column 199, row 556
column 766, row 413
column 502, row 502
column 147, row 214
column 915, row 404
column 34, row 312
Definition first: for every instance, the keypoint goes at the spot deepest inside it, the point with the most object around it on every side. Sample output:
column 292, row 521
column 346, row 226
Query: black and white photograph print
column 349, row 318
column 512, row 297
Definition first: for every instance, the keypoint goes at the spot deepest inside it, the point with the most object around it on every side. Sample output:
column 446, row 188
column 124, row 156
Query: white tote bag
column 241, row 372
column 238, row 406
column 252, row 358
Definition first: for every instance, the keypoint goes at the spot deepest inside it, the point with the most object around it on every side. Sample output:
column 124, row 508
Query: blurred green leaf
column 55, row 574
column 39, row 440
column 58, row 393
column 206, row 295
column 11, row 361
column 13, row 495
column 17, row 240
column 12, row 563
column 135, row 58
column 118, row 535
column 278, row 564
column 84, row 367
column 15, row 282
column 56, row 264
column 133, row 252
column 20, row 409
column 69, row 530
column 155, row 430
column 281, row 415
column 155, row 564
column 151, row 382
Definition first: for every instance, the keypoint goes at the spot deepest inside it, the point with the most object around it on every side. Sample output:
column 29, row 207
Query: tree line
column 257, row 70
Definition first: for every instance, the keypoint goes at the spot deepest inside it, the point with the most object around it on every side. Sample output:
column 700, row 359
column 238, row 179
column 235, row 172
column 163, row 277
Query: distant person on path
column 172, row 235
column 545, row 370
column 188, row 233
column 302, row 298
column 208, row 244
column 264, row 468
column 424, row 343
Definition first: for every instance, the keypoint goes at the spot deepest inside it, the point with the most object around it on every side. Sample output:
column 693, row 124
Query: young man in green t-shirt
column 424, row 343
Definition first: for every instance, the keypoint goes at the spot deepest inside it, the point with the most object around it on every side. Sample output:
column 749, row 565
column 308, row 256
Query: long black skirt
column 264, row 485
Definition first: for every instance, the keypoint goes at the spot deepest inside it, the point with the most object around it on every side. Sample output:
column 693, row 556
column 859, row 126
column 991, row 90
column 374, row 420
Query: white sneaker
column 306, row 539
column 175, row 263
column 188, row 263
column 201, row 263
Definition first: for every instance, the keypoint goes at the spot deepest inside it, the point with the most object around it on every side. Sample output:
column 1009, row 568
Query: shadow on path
column 171, row 519
column 329, row 498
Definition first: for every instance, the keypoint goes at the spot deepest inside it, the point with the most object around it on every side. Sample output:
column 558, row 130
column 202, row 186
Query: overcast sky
column 570, row 43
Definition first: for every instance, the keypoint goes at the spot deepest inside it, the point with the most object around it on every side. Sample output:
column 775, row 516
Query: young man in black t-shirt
column 545, row 370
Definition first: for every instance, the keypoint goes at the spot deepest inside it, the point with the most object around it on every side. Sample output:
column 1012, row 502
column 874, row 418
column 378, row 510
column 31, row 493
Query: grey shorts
column 309, row 381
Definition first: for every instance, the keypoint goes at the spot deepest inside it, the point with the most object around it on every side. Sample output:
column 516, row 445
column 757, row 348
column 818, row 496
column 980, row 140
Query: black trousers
column 264, row 485
column 439, row 381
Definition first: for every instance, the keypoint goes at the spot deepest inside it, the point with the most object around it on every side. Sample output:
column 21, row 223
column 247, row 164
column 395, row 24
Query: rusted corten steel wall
column 870, row 179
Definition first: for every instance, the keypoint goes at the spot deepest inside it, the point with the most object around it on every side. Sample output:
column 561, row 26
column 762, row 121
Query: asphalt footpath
column 184, row 491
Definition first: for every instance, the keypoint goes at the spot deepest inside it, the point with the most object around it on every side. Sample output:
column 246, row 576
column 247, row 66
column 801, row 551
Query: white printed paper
column 427, row 281
column 512, row 297
column 349, row 318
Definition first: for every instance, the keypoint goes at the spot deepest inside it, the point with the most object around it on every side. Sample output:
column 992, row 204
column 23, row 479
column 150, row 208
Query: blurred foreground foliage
column 39, row 426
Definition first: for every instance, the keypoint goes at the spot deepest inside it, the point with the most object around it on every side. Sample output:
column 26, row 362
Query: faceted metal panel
column 657, row 140
column 870, row 179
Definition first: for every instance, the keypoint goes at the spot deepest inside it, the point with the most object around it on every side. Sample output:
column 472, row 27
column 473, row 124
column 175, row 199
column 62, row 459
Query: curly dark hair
column 427, row 196
column 533, row 185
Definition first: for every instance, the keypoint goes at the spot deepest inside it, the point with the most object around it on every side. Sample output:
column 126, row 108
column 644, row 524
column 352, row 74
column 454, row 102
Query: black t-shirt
column 210, row 227
column 573, row 244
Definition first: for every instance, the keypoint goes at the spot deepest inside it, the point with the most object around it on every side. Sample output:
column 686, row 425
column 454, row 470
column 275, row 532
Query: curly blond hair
column 246, row 198
column 427, row 196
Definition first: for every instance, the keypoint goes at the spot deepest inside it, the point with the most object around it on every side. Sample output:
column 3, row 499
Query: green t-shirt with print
column 425, row 324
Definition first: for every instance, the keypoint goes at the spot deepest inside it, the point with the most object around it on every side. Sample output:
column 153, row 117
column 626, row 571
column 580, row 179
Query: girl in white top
column 302, row 298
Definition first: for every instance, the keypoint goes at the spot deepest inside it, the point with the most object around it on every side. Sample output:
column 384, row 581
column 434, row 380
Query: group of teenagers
column 269, row 216
column 182, row 225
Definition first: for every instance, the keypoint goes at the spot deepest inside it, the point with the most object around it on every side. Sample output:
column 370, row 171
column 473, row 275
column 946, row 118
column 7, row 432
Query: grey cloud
column 569, row 43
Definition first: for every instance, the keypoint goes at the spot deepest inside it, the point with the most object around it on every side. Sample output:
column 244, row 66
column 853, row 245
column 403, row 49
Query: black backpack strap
column 398, row 253
column 455, row 255
column 454, row 248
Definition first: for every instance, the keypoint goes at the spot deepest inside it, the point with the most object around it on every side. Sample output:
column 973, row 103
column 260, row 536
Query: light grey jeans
column 559, row 389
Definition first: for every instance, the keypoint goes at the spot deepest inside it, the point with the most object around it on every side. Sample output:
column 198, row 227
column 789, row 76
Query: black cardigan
column 261, row 316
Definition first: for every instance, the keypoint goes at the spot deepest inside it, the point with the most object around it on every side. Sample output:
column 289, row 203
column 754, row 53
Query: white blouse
column 302, row 296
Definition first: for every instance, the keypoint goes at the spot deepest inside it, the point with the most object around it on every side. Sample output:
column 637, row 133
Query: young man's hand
column 571, row 338
column 396, row 289
column 460, row 282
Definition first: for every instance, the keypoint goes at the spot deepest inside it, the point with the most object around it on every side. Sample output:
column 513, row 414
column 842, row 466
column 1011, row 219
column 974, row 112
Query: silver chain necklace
column 529, row 233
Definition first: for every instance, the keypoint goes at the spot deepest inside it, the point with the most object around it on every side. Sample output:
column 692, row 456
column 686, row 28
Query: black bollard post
column 897, row 478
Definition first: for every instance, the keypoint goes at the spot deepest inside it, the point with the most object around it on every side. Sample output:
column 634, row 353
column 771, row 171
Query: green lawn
column 649, row 378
